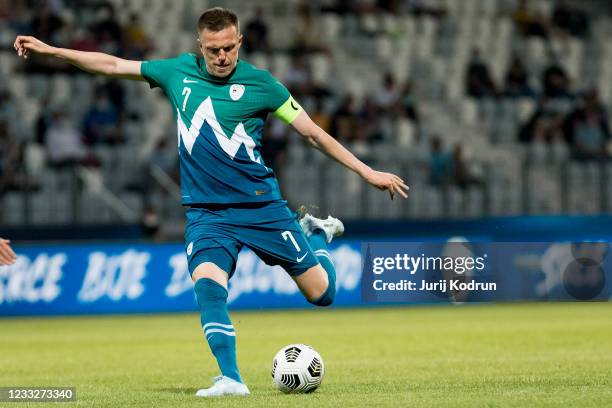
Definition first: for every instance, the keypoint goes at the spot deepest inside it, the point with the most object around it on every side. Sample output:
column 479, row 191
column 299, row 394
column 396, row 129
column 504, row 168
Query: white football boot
column 224, row 386
column 332, row 227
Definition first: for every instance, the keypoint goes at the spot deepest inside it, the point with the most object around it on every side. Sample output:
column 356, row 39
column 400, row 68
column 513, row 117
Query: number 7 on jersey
column 186, row 93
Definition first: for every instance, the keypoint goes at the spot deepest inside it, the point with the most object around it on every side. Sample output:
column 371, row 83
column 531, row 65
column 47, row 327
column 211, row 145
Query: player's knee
column 327, row 298
column 209, row 270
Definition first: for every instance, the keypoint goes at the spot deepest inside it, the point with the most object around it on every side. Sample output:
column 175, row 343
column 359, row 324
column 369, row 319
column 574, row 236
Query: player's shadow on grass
column 185, row 391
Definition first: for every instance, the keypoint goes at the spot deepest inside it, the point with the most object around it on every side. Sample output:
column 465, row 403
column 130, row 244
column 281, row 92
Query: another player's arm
column 93, row 62
column 321, row 140
column 7, row 256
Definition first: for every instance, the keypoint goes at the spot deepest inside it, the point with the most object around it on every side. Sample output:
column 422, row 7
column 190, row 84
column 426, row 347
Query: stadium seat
column 320, row 67
column 526, row 107
column 8, row 62
column 405, row 133
column 17, row 85
column 34, row 159
column 13, row 208
column 331, row 25
column 260, row 60
column 469, row 111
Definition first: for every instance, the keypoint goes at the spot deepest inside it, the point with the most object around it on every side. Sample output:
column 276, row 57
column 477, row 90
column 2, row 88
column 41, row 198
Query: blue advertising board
column 146, row 278
column 143, row 278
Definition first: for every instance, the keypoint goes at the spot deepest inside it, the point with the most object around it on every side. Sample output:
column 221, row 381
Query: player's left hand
column 7, row 256
column 388, row 181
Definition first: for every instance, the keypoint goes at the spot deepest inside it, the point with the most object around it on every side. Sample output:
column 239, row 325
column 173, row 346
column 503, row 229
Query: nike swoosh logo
column 188, row 81
column 302, row 258
column 293, row 106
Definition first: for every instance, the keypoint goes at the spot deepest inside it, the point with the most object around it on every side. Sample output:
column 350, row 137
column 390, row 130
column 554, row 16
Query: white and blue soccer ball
column 297, row 368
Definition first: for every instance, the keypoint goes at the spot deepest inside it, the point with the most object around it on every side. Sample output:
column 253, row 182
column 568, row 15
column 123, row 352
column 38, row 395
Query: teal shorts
column 216, row 233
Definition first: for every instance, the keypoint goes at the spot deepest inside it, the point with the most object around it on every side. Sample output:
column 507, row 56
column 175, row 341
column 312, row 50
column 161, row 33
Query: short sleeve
column 281, row 102
column 158, row 72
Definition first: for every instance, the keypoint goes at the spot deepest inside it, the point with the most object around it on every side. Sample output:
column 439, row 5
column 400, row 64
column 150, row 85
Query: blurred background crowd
column 485, row 107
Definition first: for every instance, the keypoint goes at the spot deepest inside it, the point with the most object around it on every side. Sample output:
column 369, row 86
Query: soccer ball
column 297, row 368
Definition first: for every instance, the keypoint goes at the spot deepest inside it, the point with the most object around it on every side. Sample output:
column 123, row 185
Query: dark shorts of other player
column 217, row 232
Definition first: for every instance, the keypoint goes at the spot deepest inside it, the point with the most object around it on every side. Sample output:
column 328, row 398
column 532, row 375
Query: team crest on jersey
column 236, row 91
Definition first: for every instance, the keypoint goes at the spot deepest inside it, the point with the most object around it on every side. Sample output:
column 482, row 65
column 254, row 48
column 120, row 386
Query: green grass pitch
column 523, row 355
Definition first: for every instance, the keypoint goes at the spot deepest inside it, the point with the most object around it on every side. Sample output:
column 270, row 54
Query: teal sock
column 318, row 242
column 217, row 326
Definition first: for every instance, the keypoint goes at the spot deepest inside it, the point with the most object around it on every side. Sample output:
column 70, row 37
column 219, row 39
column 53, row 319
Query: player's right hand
column 7, row 256
column 24, row 44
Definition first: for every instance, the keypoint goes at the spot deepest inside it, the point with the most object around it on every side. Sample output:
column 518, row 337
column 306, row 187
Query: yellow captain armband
column 288, row 111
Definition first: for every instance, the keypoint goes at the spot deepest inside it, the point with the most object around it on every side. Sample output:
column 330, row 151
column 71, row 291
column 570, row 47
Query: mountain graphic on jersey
column 220, row 124
column 206, row 113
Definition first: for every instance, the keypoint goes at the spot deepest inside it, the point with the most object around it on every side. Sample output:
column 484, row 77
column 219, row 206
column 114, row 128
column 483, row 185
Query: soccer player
column 220, row 104
column 7, row 256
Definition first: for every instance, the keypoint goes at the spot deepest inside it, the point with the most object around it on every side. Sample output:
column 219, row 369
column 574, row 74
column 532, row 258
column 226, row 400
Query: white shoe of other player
column 332, row 227
column 224, row 386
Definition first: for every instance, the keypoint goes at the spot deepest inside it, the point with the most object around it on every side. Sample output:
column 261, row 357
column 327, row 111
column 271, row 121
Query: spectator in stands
column 570, row 19
column 463, row 175
column 151, row 222
column 440, row 164
column 587, row 128
column 101, row 124
column 43, row 122
column 517, row 80
column 83, row 40
column 320, row 116
column 340, row 7
column 555, row 82
column 136, row 43
column 424, row 7
column 63, row 142
column 166, row 159
column 11, row 159
column 544, row 125
column 387, row 97
column 305, row 40
column 256, row 34
column 344, row 119
column 479, row 83
column 12, row 173
column 388, row 6
column 408, row 102
column 298, row 78
column 559, row 150
column 274, row 146
column 10, row 11
column 107, row 30
column 46, row 22
column 8, row 108
column 368, row 122
column 530, row 22
column 538, row 151
column 116, row 94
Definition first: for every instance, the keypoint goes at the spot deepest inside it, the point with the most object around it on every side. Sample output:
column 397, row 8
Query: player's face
column 220, row 50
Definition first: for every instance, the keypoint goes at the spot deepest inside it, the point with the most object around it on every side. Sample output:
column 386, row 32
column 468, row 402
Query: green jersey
column 220, row 122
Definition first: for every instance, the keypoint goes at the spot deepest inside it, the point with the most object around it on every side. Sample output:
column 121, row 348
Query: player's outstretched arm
column 321, row 140
column 7, row 256
column 93, row 62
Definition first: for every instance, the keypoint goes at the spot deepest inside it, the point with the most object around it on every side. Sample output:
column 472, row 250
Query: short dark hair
column 218, row 18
